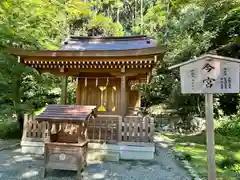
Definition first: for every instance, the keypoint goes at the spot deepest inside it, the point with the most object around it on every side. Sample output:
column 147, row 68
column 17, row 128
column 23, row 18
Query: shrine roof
column 108, row 43
column 130, row 46
column 61, row 113
column 96, row 52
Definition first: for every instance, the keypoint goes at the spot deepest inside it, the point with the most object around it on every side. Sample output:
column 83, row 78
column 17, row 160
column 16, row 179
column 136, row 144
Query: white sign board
column 210, row 76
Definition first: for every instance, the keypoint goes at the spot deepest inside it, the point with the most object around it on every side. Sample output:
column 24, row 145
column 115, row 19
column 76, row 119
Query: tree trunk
column 17, row 101
column 20, row 118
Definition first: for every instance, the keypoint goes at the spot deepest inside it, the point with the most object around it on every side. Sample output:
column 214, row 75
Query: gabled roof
column 108, row 43
column 205, row 57
column 96, row 52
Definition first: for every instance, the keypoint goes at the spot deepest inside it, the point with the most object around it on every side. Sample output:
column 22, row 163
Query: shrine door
column 103, row 93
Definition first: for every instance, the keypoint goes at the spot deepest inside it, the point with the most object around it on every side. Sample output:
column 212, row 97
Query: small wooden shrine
column 105, row 68
column 66, row 147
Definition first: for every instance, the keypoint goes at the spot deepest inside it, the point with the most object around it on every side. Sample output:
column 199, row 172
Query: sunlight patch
column 29, row 174
column 22, row 158
column 99, row 175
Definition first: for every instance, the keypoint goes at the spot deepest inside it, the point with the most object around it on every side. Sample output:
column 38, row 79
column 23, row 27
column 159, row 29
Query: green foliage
column 40, row 24
column 231, row 127
column 10, row 129
column 101, row 25
column 227, row 163
column 191, row 29
column 227, row 155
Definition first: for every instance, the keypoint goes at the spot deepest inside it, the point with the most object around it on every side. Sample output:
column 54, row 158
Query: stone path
column 15, row 165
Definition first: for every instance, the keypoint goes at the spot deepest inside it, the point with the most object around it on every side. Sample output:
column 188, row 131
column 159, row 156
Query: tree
column 194, row 28
column 40, row 24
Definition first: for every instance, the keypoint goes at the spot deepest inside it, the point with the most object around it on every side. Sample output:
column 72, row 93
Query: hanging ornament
column 96, row 82
column 85, row 82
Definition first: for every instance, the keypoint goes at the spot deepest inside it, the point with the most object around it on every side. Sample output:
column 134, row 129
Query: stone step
column 100, row 155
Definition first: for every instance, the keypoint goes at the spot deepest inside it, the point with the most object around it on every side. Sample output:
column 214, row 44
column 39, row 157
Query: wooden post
column 149, row 77
column 139, row 99
column 25, row 127
column 123, row 92
column 78, row 92
column 64, row 90
column 119, row 138
column 210, row 137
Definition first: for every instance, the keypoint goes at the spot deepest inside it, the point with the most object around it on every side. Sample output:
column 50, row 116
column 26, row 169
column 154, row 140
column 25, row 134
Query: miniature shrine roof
column 56, row 112
column 96, row 52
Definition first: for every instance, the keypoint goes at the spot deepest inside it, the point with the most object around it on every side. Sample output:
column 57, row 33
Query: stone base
column 137, row 151
column 104, row 152
column 100, row 155
column 32, row 147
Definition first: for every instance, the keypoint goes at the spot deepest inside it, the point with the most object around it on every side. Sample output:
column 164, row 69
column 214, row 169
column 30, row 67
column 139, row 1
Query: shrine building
column 105, row 69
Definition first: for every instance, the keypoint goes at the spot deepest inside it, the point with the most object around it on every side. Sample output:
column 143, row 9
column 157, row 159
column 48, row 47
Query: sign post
column 208, row 75
column 210, row 136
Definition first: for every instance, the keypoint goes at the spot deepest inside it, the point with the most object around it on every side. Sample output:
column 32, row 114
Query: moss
column 226, row 153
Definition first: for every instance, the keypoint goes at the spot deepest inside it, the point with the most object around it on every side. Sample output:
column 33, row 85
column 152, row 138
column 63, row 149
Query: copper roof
column 95, row 52
column 108, row 43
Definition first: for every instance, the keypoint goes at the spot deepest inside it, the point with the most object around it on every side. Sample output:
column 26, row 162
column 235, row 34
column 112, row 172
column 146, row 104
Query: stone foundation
column 108, row 152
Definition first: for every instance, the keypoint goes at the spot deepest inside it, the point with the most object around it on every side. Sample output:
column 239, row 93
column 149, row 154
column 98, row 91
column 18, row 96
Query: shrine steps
column 104, row 151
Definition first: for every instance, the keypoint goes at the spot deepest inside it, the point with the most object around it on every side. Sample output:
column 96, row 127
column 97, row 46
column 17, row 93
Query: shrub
column 228, row 163
column 188, row 157
column 236, row 168
column 9, row 129
column 230, row 127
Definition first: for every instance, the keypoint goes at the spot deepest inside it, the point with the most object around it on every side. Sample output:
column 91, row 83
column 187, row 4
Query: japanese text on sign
column 215, row 76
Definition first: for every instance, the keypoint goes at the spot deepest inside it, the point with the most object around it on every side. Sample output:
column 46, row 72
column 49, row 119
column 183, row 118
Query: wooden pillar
column 139, row 99
column 149, row 77
column 123, row 93
column 64, row 90
column 78, row 92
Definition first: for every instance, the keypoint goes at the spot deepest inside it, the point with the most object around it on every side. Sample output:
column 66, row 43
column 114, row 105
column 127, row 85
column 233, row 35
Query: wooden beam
column 90, row 60
column 75, row 72
column 64, row 90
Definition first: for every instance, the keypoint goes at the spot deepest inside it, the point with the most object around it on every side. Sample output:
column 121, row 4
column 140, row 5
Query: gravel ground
column 15, row 165
column 7, row 143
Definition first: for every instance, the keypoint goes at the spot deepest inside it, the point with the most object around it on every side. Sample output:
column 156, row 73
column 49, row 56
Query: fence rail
column 104, row 128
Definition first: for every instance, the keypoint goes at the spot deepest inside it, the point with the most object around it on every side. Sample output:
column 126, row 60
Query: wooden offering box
column 66, row 146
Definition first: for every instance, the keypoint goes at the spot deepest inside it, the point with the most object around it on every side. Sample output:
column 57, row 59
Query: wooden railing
column 137, row 129
column 104, row 128
column 32, row 130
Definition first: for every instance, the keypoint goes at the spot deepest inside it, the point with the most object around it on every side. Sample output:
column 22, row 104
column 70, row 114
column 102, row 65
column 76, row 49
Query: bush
column 187, row 157
column 236, row 168
column 10, row 130
column 228, row 163
column 230, row 127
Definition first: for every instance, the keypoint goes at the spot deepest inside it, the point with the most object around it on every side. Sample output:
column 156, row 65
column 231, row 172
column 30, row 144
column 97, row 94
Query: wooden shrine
column 105, row 68
column 67, row 141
